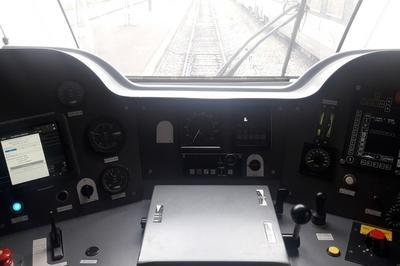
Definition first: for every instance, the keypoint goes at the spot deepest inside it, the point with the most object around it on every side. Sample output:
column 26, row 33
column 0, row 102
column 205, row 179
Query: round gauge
column 201, row 129
column 115, row 179
column 70, row 94
column 106, row 136
column 317, row 160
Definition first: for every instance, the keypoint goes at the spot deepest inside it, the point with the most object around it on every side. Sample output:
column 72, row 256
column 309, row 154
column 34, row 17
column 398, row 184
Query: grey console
column 118, row 235
column 212, row 225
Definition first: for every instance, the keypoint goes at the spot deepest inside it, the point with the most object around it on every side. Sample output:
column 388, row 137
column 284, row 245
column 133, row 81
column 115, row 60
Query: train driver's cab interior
column 199, row 133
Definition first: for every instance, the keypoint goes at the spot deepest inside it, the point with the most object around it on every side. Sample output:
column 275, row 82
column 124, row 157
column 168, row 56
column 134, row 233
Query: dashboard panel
column 92, row 149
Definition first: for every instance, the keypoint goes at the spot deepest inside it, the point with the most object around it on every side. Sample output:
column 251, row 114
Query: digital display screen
column 25, row 158
column 32, row 154
column 381, row 137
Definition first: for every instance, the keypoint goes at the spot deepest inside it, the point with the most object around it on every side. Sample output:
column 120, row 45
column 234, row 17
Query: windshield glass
column 190, row 38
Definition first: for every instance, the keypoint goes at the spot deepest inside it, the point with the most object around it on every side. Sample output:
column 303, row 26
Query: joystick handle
column 300, row 215
column 319, row 217
column 281, row 197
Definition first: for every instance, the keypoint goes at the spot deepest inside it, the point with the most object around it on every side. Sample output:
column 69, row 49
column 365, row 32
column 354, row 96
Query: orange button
column 333, row 251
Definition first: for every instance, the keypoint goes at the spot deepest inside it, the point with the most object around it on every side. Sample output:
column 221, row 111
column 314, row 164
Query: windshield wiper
column 5, row 38
column 68, row 24
column 299, row 8
column 348, row 26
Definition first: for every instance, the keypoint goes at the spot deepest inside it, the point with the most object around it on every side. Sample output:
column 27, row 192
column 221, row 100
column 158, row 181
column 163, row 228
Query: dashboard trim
column 308, row 84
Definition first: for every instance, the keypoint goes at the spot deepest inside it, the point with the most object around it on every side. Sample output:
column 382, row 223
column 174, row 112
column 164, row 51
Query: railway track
column 196, row 49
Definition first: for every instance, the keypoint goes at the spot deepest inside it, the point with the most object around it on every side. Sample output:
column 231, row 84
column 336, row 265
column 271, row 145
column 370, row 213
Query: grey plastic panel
column 189, row 225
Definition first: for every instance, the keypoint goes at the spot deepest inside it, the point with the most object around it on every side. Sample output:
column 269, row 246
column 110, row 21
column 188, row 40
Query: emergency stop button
column 376, row 240
column 5, row 257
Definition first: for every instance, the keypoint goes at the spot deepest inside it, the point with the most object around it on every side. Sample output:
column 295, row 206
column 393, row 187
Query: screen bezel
column 19, row 125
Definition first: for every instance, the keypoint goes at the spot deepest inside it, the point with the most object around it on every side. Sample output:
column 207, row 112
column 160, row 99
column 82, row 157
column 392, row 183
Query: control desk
column 79, row 158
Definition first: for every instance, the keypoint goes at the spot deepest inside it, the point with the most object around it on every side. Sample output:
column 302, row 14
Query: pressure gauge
column 106, row 136
column 114, row 179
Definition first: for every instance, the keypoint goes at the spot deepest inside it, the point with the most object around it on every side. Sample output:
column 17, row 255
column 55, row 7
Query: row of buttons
column 363, row 138
column 378, row 103
column 211, row 171
column 354, row 133
column 383, row 166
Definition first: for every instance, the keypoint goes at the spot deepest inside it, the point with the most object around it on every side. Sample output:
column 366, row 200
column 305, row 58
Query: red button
column 5, row 254
column 8, row 262
column 377, row 234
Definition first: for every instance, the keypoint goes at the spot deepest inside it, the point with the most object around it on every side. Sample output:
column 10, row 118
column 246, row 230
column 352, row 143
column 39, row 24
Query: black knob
column 377, row 242
column 87, row 191
column 230, row 159
column 300, row 214
column 319, row 217
column 281, row 197
column 255, row 165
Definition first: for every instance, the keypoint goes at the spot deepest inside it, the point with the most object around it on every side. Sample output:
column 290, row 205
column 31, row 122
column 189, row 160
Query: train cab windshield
column 251, row 39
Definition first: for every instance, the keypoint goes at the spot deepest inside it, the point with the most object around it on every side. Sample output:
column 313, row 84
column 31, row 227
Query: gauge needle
column 195, row 136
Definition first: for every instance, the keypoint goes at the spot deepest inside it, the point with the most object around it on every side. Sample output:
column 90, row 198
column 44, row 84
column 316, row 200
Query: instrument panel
column 89, row 149
column 374, row 139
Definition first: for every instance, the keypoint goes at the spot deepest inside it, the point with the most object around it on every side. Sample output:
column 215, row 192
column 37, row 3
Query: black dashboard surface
column 343, row 140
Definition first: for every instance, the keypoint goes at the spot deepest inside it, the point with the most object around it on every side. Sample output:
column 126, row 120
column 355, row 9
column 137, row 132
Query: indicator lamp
column 16, row 207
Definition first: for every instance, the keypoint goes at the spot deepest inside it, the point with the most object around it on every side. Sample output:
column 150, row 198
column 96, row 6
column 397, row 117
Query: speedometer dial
column 317, row 160
column 201, row 129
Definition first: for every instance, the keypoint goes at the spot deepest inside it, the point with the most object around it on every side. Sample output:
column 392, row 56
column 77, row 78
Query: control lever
column 319, row 217
column 56, row 241
column 281, row 197
column 300, row 215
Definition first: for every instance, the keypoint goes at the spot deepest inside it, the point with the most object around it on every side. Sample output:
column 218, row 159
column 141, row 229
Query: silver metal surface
column 212, row 224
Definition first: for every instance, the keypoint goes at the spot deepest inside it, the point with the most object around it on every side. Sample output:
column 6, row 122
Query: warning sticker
column 324, row 236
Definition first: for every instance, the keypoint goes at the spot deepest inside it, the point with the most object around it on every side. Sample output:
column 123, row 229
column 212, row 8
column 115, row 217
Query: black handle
column 56, row 240
column 319, row 217
column 281, row 197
